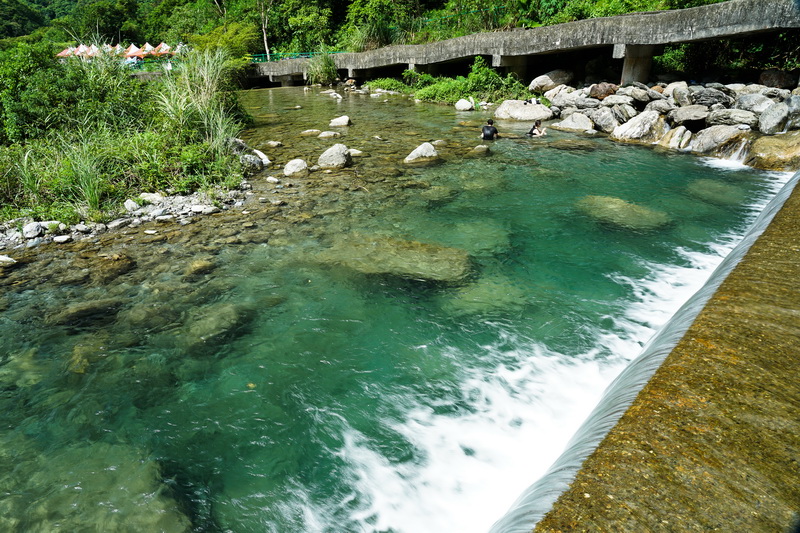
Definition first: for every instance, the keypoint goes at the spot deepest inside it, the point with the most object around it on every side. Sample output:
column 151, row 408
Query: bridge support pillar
column 638, row 60
column 515, row 64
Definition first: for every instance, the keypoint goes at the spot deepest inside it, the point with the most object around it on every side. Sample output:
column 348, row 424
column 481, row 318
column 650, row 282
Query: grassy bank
column 77, row 138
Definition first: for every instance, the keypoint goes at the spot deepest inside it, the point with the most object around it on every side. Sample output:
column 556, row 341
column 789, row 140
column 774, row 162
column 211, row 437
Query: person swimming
column 537, row 130
column 489, row 132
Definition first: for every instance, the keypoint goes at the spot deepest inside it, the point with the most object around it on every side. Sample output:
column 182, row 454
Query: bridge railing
column 263, row 58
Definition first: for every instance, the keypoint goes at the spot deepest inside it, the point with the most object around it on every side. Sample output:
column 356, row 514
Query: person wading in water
column 489, row 132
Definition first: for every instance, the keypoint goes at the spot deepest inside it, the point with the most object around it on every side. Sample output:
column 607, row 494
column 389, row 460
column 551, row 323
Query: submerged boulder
column 377, row 254
column 488, row 295
column 213, row 324
column 716, row 192
column 620, row 214
column 89, row 312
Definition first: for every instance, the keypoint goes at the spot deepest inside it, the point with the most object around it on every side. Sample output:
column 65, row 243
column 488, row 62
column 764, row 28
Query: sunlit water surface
column 352, row 402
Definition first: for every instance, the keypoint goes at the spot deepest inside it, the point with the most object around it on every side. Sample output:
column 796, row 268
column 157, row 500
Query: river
column 258, row 377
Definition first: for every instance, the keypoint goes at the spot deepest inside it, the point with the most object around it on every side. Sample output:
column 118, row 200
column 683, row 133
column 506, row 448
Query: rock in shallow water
column 377, row 254
column 618, row 213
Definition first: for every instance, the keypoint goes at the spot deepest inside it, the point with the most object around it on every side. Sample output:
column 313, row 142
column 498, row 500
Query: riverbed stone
column 623, row 112
column 682, row 96
column 620, row 214
column 670, row 88
column 337, row 156
column 708, row 96
column 717, row 192
column 344, row 120
column 212, row 324
column 310, row 133
column 378, row 254
column 90, row 312
column 647, row 127
column 32, row 230
column 424, row 153
column 773, row 120
column 777, row 78
column 493, row 294
column 617, row 99
column 522, row 110
column 660, row 106
column 776, row 152
column 296, row 168
column 6, row 261
column 602, row 90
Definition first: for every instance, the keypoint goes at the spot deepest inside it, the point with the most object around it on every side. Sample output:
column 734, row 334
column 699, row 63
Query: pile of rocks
column 712, row 119
column 25, row 232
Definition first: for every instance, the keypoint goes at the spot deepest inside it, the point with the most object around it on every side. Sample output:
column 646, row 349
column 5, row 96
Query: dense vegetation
column 79, row 137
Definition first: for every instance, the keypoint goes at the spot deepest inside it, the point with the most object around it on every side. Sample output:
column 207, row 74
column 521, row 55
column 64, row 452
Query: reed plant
column 322, row 68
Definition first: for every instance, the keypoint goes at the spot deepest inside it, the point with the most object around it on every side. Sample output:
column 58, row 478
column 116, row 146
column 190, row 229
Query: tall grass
column 322, row 69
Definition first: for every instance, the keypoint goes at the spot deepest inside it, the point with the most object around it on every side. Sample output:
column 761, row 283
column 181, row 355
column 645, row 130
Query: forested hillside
column 298, row 25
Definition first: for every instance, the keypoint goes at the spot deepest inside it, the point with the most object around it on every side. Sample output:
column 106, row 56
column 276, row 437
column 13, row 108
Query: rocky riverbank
column 755, row 123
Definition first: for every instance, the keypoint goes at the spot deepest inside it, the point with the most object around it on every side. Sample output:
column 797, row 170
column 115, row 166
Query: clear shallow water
column 336, row 401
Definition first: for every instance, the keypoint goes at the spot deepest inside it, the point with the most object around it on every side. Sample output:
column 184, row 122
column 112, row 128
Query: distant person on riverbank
column 537, row 130
column 489, row 132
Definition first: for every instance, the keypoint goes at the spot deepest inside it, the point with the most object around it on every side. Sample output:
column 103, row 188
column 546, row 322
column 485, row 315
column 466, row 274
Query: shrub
column 322, row 69
column 389, row 84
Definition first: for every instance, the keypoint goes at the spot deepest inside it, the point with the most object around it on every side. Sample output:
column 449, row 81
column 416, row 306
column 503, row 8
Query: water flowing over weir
column 537, row 500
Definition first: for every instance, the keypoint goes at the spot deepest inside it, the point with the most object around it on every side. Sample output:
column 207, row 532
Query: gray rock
column 624, row 112
column 617, row 99
column 130, row 205
column 33, row 230
column 6, row 261
column 689, row 113
column 774, row 119
column 251, row 163
column 755, row 102
column 82, row 228
column 682, row 96
column 94, row 312
column 661, row 106
column 520, row 110
column 296, row 168
column 587, row 103
column 425, row 152
column 575, row 122
column 337, row 156
column 344, row 120
column 732, row 117
column 715, row 138
column 646, row 127
column 603, row 119
column 655, row 95
column 776, row 94
column 310, row 133
column 793, row 121
column 329, row 134
column 669, row 89
column 551, row 80
column 118, row 224
column 61, row 239
column 708, row 97
column 204, row 209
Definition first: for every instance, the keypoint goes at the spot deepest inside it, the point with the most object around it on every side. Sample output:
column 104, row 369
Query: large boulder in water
column 213, row 324
column 377, row 254
column 424, row 153
column 618, row 213
column 773, row 120
column 493, row 294
column 647, row 127
column 522, row 110
column 296, row 168
column 337, row 156
column 777, row 152
column 717, row 139
column 716, row 192
column 732, row 117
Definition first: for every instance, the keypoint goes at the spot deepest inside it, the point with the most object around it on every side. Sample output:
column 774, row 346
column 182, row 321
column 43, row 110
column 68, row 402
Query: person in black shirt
column 537, row 130
column 489, row 132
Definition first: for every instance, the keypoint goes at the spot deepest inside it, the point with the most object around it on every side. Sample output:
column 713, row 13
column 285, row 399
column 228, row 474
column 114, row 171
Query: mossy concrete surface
column 712, row 442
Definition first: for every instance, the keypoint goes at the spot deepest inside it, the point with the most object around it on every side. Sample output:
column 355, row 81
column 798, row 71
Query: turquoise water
column 282, row 391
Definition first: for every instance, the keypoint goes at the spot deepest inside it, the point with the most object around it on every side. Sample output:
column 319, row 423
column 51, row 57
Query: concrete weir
column 633, row 38
column 712, row 442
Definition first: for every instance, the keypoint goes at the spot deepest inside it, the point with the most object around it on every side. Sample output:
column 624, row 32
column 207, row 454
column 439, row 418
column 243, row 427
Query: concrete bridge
column 632, row 38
